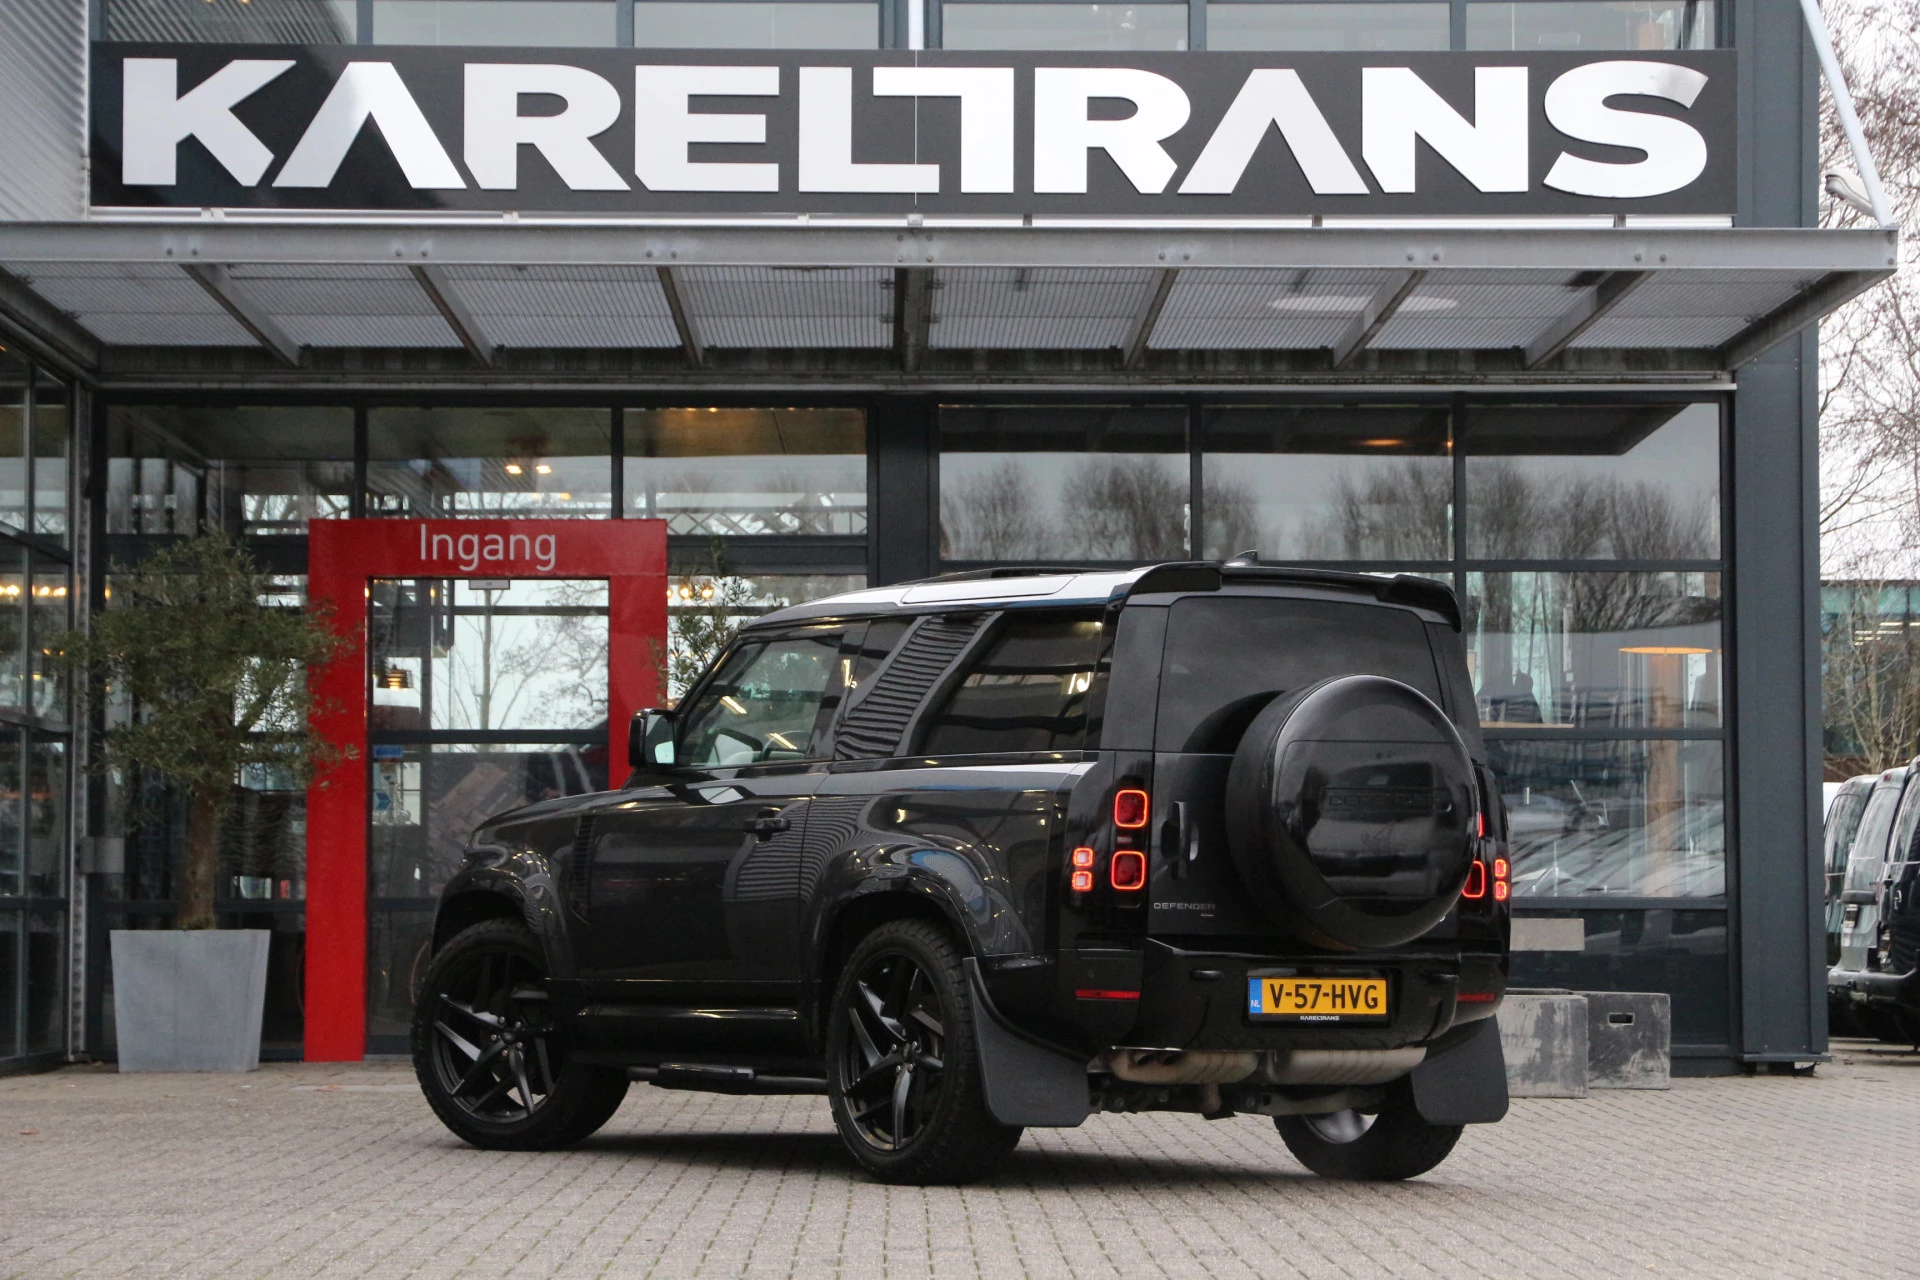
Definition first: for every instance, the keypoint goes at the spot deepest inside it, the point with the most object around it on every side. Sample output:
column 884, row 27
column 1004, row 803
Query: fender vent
column 873, row 726
column 580, row 866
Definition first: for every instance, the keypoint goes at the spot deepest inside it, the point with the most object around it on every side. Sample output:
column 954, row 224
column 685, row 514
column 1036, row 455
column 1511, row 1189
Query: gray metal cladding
column 872, row 727
column 43, row 100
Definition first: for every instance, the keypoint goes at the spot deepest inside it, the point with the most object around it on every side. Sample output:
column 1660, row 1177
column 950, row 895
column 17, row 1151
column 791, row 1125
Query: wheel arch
column 463, row 910
column 858, row 916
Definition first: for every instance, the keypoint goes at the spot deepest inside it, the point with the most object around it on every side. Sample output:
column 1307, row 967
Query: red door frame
column 342, row 555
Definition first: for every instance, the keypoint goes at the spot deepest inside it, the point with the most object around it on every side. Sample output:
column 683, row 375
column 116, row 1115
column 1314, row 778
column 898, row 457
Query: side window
column 763, row 703
column 1027, row 689
column 875, row 643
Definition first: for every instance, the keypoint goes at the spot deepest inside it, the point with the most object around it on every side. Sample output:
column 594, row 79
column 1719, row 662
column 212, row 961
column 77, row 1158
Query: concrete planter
column 189, row 1000
column 1544, row 1037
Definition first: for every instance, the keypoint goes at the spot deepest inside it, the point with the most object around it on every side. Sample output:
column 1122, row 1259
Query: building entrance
column 490, row 664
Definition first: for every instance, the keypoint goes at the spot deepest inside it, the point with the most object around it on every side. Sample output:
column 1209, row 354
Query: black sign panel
column 891, row 132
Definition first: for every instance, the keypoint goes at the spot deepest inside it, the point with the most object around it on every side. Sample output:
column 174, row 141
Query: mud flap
column 1463, row 1079
column 1026, row 1083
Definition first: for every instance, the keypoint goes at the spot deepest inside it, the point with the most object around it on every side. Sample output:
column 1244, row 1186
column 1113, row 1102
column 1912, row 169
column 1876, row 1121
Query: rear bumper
column 1860, row 986
column 1196, row 999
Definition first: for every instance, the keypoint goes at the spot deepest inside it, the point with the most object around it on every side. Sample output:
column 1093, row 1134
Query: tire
column 903, row 1067
column 1388, row 1147
column 1350, row 812
column 487, row 1054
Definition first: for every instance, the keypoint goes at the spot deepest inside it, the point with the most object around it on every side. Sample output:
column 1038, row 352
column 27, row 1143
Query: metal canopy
column 1123, row 303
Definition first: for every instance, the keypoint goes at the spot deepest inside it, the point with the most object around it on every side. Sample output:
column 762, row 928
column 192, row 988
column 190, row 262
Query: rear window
column 1876, row 825
column 1841, row 824
column 1028, row 689
column 1227, row 657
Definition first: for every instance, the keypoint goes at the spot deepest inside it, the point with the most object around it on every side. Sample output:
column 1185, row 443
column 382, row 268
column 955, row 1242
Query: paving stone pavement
column 342, row 1171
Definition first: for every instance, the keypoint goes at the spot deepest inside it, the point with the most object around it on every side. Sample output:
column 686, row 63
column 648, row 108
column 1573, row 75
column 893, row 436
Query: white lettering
column 664, row 126
column 519, row 546
column 826, row 142
column 1675, row 153
column 496, row 130
column 1273, row 98
column 1063, row 133
column 986, row 116
column 439, row 538
column 156, row 118
column 547, row 549
column 469, row 551
column 369, row 91
column 1397, row 107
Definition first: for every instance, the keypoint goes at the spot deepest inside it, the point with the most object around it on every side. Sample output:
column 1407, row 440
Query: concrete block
column 189, row 1000
column 1547, row 933
column 1544, row 1038
column 1629, row 1039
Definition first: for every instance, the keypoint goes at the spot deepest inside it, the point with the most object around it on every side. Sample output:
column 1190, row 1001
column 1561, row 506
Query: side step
column 708, row 1078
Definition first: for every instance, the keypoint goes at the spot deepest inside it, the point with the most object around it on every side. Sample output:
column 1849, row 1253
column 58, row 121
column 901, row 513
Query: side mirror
column 650, row 738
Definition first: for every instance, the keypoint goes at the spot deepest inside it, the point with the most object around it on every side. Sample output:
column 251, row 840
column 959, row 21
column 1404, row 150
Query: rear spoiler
column 1403, row 589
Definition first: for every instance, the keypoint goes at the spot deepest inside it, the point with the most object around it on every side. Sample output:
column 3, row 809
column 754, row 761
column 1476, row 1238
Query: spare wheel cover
column 1350, row 811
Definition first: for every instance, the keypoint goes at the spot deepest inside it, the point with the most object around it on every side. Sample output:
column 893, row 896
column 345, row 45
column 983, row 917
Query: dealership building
column 1517, row 294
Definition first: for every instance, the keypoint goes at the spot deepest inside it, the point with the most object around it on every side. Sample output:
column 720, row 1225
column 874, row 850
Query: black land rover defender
column 1004, row 849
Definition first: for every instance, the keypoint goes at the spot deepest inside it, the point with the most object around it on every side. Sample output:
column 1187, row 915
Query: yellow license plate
column 1318, row 999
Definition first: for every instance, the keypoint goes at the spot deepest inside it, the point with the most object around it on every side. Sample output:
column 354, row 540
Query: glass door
column 483, row 694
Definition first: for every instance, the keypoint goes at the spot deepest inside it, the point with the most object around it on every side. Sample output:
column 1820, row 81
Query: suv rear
column 1874, row 986
column 1001, row 850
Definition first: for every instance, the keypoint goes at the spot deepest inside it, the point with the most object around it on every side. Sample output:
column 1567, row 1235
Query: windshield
column 1870, row 843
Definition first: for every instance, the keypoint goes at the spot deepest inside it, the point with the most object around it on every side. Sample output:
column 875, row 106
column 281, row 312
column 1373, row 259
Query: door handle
column 766, row 828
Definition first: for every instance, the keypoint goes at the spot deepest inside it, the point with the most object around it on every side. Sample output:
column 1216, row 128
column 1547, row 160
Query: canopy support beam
column 682, row 319
column 1149, row 317
column 446, row 299
column 1373, row 317
column 1606, row 294
column 218, row 282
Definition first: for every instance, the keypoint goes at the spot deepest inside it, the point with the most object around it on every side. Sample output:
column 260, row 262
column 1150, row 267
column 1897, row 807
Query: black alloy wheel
column 893, row 1058
column 489, row 1055
column 905, row 1085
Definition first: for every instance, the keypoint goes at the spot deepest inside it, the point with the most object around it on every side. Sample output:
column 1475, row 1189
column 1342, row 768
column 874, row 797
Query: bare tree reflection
column 1127, row 507
column 991, row 515
column 1395, row 511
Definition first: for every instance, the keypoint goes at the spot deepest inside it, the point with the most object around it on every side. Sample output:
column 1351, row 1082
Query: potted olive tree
column 200, row 677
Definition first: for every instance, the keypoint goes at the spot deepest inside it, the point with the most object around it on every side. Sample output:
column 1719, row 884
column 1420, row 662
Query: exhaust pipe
column 1297, row 1066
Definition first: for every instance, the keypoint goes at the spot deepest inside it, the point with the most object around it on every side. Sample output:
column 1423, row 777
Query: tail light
column 1130, row 809
column 1476, row 881
column 1502, row 887
column 1082, row 870
column 1128, row 870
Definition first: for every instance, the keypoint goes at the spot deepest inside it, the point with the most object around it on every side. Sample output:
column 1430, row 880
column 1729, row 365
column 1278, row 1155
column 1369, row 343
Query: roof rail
column 998, row 571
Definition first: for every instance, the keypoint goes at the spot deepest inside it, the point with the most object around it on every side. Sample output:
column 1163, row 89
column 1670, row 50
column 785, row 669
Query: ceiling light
column 514, row 468
column 542, row 468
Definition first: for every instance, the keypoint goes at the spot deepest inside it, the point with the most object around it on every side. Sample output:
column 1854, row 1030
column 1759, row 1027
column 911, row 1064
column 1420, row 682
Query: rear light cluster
column 1479, row 877
column 1127, row 868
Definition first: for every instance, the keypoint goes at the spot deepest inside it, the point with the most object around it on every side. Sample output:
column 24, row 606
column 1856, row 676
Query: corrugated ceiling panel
column 368, row 331
column 1033, row 307
column 1451, row 316
column 568, row 306
column 534, row 330
column 1661, row 331
column 89, row 288
column 768, row 307
column 167, row 329
column 1277, row 309
column 1692, row 308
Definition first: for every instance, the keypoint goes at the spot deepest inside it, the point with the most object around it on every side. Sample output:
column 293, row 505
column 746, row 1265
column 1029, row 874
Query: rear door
column 1227, row 656
column 1843, row 822
column 1866, row 866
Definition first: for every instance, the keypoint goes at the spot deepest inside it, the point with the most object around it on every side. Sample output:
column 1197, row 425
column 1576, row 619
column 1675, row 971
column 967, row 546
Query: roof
column 1050, row 587
column 785, row 300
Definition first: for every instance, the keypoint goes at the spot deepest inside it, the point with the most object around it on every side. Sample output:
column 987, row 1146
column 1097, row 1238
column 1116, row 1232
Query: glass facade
column 36, row 793
column 1582, row 538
